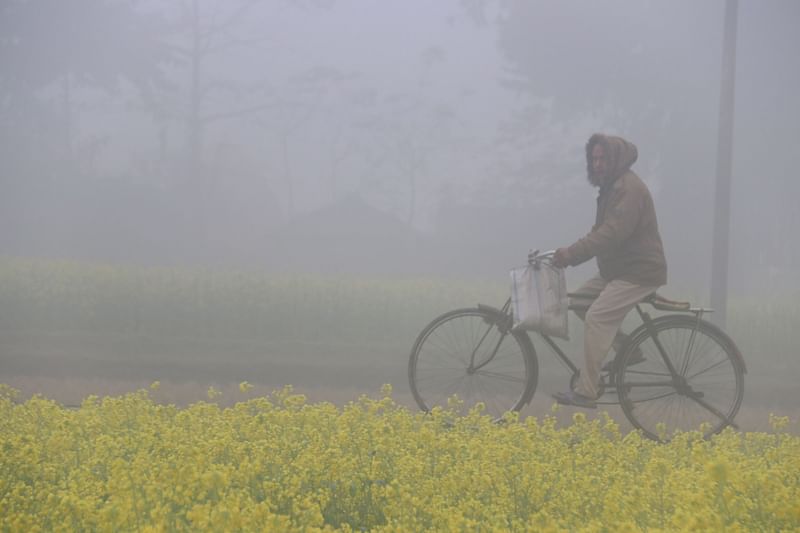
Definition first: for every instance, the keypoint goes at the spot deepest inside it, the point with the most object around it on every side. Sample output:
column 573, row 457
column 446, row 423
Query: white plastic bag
column 539, row 299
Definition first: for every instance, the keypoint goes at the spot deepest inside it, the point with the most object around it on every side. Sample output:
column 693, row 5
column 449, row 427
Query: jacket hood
column 621, row 155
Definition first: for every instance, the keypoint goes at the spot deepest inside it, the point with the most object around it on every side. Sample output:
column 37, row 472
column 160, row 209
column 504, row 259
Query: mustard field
column 95, row 298
column 278, row 463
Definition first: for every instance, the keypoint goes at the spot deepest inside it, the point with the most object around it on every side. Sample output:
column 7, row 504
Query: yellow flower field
column 279, row 464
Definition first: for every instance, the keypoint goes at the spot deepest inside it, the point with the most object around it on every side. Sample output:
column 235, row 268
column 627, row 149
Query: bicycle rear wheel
column 472, row 354
column 705, row 390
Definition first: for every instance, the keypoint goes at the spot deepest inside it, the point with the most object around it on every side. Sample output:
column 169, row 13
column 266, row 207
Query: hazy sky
column 409, row 105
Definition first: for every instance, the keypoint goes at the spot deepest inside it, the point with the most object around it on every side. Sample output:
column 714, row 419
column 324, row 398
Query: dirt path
column 67, row 369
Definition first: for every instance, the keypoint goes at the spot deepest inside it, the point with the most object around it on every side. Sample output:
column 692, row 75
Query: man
column 629, row 252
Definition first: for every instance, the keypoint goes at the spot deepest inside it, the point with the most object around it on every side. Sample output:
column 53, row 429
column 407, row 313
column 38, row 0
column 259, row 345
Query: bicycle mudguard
column 730, row 341
column 505, row 320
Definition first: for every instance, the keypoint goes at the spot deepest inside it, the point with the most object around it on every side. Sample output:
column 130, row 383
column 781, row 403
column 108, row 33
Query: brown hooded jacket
column 625, row 236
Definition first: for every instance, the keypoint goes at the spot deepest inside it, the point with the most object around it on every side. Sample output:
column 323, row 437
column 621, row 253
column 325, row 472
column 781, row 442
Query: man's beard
column 596, row 180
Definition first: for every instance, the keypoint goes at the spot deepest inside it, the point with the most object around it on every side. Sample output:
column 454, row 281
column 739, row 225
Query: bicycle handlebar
column 536, row 256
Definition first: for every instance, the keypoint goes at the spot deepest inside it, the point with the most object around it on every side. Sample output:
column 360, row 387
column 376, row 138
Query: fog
column 373, row 141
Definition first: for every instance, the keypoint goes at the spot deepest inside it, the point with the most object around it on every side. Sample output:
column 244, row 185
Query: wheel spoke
column 715, row 365
column 439, row 364
column 504, row 377
column 659, row 397
column 634, row 384
column 710, row 390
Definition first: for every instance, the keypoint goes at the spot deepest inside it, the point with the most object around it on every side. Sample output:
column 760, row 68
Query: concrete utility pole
column 722, row 204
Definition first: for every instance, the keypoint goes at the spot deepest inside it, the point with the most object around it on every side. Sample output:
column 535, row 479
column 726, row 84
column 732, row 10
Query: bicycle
column 692, row 374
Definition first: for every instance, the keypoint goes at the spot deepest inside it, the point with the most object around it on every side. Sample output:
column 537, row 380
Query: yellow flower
column 282, row 464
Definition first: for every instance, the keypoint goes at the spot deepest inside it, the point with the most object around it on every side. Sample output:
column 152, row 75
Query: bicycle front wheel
column 700, row 388
column 472, row 356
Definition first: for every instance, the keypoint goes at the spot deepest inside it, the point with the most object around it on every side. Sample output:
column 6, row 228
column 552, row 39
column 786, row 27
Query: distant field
column 205, row 304
column 81, row 322
column 70, row 325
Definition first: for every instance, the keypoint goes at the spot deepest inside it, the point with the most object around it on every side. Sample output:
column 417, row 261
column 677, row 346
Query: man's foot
column 636, row 357
column 574, row 398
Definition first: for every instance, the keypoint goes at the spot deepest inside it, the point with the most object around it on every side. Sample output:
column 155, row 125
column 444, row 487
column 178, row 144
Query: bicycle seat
column 656, row 300
column 665, row 304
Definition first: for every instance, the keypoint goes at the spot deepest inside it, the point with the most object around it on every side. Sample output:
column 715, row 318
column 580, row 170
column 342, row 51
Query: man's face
column 599, row 165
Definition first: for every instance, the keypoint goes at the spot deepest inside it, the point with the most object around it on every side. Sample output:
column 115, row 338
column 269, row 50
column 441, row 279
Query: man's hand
column 561, row 258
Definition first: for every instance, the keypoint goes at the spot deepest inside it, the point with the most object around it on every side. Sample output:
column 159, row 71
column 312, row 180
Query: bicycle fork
column 473, row 368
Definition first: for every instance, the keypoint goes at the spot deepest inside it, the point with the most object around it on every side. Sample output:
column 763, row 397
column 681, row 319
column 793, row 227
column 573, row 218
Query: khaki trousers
column 603, row 318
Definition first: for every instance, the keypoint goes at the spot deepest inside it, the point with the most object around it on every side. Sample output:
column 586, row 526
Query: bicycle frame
column 677, row 377
column 676, row 380
column 681, row 356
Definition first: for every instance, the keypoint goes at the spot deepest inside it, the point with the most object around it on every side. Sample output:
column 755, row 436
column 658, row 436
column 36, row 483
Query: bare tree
column 61, row 46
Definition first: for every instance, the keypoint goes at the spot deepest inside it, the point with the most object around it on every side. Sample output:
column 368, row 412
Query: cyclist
column 629, row 252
